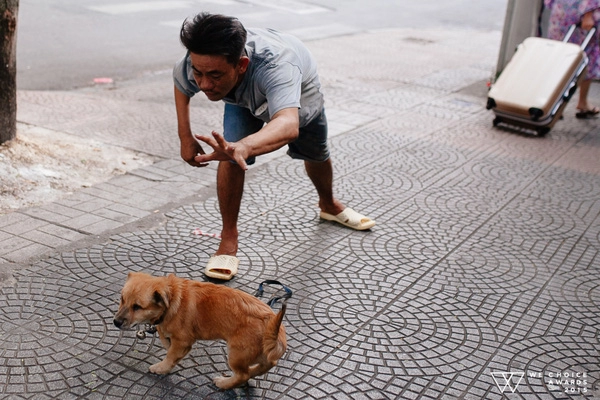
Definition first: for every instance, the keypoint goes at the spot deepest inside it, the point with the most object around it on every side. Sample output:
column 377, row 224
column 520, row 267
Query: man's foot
column 228, row 245
column 333, row 207
column 350, row 218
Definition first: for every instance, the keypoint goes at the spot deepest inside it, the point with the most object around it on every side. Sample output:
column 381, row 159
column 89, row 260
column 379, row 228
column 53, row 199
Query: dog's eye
column 136, row 307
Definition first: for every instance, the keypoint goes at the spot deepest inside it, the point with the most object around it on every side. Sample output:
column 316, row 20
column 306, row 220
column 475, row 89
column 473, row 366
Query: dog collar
column 160, row 319
column 148, row 328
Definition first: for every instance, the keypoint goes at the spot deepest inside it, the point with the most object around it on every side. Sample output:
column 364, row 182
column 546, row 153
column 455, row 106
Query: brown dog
column 185, row 311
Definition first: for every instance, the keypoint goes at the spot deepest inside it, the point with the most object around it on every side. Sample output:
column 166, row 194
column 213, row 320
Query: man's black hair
column 215, row 35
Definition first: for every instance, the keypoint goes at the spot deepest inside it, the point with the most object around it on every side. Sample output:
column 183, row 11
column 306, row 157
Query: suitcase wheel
column 535, row 113
column 543, row 131
column 496, row 121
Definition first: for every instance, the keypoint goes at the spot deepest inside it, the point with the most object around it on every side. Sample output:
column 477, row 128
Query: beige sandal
column 222, row 267
column 351, row 219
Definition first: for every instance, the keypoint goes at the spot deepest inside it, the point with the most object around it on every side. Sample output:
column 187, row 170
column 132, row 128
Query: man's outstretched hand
column 222, row 150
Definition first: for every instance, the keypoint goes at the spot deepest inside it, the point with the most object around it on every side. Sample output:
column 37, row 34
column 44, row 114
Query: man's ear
column 243, row 64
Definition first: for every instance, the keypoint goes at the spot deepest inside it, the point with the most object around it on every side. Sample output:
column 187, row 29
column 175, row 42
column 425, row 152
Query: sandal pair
column 225, row 267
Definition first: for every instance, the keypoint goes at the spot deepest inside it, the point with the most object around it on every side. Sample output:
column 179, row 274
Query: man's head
column 216, row 44
column 214, row 35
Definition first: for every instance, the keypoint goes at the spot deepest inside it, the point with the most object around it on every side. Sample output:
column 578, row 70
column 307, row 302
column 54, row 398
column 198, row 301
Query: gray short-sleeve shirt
column 282, row 73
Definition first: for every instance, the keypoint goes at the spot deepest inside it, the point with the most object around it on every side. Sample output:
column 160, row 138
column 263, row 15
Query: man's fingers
column 208, row 140
column 220, row 140
column 222, row 150
column 242, row 163
column 225, row 146
column 199, row 161
column 216, row 141
column 205, row 158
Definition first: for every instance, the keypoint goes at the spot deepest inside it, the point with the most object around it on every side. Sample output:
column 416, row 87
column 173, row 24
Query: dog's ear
column 131, row 274
column 161, row 298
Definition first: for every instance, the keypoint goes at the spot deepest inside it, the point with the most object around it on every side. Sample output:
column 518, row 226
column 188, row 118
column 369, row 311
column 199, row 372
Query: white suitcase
column 538, row 81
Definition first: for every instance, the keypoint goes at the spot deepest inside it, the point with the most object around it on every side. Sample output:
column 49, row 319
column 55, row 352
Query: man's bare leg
column 230, row 187
column 321, row 175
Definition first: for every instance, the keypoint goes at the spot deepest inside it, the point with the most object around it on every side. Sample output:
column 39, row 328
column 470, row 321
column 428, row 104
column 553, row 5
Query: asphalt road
column 66, row 44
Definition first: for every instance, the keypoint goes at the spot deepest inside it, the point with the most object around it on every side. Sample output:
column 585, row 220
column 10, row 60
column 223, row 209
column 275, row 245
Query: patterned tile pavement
column 481, row 279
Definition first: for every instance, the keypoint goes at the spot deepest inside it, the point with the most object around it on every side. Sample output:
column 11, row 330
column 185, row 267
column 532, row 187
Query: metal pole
column 521, row 22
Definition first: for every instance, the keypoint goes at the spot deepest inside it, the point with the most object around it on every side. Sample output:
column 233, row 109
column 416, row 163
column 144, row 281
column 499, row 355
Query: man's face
column 215, row 76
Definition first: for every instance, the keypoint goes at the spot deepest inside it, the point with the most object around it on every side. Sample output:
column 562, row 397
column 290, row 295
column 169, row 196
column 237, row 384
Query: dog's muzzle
column 118, row 323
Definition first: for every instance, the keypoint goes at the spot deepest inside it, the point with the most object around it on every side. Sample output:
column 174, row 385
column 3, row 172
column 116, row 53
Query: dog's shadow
column 190, row 377
column 174, row 384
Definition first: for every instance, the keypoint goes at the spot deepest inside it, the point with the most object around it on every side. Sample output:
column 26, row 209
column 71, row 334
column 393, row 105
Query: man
column 271, row 91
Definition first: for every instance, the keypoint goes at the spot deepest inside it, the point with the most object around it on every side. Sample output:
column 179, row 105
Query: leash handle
column 274, row 299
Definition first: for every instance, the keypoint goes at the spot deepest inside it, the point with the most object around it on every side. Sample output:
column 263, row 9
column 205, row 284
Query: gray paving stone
column 61, row 211
column 484, row 258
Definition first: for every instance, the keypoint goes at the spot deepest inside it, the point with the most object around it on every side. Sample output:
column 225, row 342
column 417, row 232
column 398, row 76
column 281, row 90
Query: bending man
column 269, row 83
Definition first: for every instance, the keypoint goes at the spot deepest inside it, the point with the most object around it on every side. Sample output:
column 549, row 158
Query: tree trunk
column 8, row 69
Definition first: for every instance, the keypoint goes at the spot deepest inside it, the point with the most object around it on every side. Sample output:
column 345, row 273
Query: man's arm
column 190, row 147
column 281, row 130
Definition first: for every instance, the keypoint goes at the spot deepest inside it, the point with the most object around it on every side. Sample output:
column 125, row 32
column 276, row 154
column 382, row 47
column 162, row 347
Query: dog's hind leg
column 228, row 382
column 261, row 368
column 238, row 362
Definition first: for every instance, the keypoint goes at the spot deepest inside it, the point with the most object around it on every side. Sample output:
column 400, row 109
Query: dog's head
column 144, row 300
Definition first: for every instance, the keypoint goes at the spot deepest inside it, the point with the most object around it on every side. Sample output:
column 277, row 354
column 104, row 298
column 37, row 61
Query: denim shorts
column 311, row 144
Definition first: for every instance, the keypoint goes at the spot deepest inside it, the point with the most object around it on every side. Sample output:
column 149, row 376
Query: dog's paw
column 160, row 368
column 219, row 381
column 223, row 382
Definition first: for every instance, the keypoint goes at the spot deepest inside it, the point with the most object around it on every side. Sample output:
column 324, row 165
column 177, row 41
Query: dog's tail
column 274, row 343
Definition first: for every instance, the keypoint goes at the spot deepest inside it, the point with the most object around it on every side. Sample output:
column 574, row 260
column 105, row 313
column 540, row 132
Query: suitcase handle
column 587, row 39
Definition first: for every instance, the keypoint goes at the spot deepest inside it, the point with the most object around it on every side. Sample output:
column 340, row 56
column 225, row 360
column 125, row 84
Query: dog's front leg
column 176, row 351
column 164, row 339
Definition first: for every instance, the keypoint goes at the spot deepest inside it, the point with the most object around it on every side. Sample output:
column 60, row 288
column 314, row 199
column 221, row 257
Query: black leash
column 274, row 299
